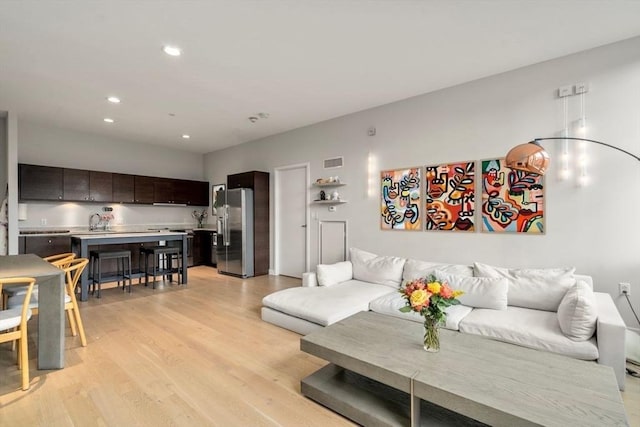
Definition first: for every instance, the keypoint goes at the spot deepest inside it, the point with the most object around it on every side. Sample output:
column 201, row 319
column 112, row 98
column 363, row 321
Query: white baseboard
column 272, row 272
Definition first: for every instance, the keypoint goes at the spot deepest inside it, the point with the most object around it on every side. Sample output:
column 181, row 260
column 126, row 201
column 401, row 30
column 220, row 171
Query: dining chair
column 58, row 260
column 72, row 271
column 14, row 324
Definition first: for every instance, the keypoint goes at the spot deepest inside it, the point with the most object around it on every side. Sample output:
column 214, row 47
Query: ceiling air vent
column 334, row 163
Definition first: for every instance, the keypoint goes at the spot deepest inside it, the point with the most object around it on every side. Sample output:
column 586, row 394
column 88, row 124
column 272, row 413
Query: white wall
column 594, row 228
column 51, row 146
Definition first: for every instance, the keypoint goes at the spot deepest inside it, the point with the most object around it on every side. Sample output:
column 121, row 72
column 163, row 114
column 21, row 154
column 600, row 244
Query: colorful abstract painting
column 400, row 199
column 512, row 201
column 450, row 201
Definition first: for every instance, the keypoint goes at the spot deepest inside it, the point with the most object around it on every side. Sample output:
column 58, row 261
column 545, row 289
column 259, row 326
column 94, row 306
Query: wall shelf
column 328, row 184
column 329, row 202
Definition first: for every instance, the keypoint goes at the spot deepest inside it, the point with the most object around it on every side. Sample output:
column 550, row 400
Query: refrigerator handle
column 227, row 232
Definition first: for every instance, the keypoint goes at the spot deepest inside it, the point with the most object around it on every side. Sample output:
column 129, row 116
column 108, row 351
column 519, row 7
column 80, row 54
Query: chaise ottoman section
column 321, row 305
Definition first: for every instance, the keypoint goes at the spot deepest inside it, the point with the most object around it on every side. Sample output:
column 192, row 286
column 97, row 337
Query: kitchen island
column 81, row 243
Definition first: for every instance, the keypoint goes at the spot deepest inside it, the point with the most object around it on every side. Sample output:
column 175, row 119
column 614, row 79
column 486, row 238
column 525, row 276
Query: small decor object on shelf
column 200, row 217
column 429, row 297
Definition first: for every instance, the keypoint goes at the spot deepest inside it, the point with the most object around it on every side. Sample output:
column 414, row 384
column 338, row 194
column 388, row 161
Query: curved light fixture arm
column 535, row 141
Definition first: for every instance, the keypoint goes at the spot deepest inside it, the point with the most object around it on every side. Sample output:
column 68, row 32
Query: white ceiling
column 301, row 61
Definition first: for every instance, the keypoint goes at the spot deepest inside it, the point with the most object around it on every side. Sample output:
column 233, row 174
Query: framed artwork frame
column 513, row 201
column 450, row 197
column 400, row 199
column 214, row 189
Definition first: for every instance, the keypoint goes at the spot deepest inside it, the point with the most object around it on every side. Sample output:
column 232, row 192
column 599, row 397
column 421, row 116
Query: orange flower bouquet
column 429, row 297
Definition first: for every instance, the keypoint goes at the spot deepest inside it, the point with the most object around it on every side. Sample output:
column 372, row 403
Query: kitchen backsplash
column 47, row 215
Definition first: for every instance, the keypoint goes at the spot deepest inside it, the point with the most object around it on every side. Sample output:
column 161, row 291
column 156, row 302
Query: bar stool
column 162, row 262
column 120, row 256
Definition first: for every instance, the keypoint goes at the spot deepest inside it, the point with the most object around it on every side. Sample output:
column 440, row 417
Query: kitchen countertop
column 72, row 231
column 115, row 235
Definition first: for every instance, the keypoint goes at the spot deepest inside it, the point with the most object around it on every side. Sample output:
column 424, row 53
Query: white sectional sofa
column 553, row 310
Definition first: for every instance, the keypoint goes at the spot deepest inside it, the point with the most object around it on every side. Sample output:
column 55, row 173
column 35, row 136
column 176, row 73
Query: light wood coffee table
column 380, row 375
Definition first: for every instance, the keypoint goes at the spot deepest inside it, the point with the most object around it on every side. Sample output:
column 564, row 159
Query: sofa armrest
column 309, row 280
column 610, row 333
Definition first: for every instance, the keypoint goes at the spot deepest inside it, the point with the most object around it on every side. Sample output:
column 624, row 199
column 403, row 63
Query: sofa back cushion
column 416, row 269
column 332, row 274
column 577, row 313
column 479, row 292
column 383, row 270
column 540, row 289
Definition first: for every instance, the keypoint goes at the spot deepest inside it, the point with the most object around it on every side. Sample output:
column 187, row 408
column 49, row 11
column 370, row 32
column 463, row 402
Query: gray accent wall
column 594, row 228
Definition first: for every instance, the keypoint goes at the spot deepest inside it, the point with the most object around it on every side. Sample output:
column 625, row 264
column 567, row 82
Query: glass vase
column 431, row 335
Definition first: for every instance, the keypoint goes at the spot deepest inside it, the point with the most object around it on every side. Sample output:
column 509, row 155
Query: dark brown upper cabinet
column 143, row 189
column 81, row 185
column 163, row 190
column 123, row 188
column 39, row 182
column 192, row 193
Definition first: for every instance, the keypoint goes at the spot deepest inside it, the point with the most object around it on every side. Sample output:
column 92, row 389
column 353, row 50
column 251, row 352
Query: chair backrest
column 60, row 260
column 72, row 272
column 30, row 281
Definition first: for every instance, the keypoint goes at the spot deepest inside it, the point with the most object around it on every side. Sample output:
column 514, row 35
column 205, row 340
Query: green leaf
column 405, row 309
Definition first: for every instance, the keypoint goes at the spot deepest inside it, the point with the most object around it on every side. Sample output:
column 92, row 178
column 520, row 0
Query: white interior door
column 291, row 220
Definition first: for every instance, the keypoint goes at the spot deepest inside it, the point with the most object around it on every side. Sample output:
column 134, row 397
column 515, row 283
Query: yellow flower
column 457, row 293
column 419, row 297
column 433, row 287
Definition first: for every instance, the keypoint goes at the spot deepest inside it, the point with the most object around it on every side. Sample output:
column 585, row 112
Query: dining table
column 51, row 293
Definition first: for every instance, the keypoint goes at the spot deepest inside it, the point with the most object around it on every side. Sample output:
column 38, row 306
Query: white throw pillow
column 577, row 313
column 415, row 269
column 332, row 274
column 384, row 270
column 540, row 289
column 480, row 292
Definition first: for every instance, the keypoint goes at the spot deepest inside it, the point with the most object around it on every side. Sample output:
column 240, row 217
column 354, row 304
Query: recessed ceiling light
column 113, row 99
column 185, row 136
column 108, row 120
column 172, row 50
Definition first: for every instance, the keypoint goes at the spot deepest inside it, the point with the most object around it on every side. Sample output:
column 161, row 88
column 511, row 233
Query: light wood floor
column 180, row 356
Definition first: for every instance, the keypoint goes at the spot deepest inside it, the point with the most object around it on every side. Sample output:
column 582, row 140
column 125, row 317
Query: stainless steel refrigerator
column 234, row 212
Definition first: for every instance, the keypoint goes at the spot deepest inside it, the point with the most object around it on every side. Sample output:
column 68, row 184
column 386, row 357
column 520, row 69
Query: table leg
column 51, row 323
column 184, row 260
column 415, row 407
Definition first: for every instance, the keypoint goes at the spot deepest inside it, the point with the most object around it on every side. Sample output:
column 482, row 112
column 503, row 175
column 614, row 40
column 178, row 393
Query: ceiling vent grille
column 334, row 163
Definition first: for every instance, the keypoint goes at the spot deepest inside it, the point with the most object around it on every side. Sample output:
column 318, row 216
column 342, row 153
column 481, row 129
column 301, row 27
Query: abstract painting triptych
column 511, row 201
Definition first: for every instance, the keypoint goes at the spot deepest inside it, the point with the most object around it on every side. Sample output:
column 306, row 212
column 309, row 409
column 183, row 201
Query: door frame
column 277, row 172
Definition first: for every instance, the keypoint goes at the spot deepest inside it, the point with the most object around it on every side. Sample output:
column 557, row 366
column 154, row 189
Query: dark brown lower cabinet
column 44, row 245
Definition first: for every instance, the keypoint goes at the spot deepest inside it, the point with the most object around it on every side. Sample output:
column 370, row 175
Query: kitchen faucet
column 94, row 226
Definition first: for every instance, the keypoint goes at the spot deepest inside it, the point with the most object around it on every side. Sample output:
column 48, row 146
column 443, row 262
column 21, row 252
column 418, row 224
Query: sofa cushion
column 480, row 292
column 529, row 328
column 383, row 270
column 415, row 269
column 540, row 289
column 332, row 274
column 390, row 304
column 325, row 305
column 577, row 313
